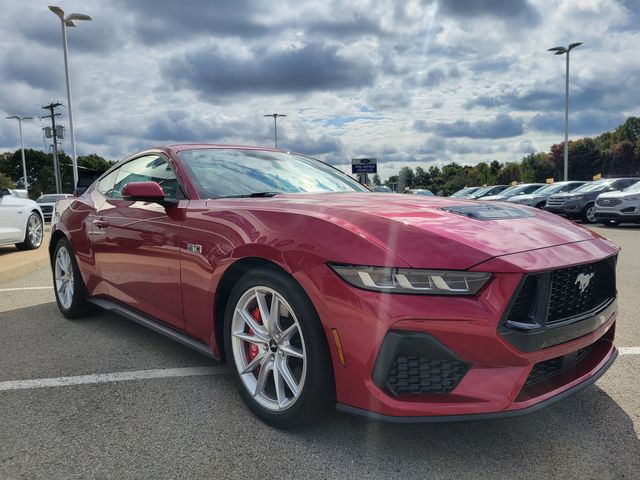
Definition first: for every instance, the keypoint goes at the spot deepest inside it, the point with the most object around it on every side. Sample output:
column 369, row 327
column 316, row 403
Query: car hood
column 493, row 197
column 618, row 194
column 422, row 232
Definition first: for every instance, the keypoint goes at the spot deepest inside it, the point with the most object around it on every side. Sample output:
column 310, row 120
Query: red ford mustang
column 317, row 291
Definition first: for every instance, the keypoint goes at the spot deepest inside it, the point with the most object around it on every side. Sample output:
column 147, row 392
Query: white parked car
column 21, row 221
column 623, row 206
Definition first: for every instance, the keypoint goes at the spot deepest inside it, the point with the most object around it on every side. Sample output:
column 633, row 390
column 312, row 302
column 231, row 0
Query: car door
column 136, row 244
column 9, row 231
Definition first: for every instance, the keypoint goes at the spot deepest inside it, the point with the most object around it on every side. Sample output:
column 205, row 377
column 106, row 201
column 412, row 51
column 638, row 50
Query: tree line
column 611, row 154
column 40, row 170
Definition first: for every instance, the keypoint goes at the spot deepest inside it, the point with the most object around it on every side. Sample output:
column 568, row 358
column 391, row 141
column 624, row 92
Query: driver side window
column 150, row 168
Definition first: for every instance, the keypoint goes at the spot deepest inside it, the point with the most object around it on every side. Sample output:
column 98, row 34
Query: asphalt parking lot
column 143, row 406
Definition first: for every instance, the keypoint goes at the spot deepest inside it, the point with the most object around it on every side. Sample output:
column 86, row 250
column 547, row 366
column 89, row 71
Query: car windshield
column 634, row 188
column 49, row 198
column 238, row 172
column 506, row 191
column 465, row 191
column 481, row 191
column 594, row 186
column 549, row 189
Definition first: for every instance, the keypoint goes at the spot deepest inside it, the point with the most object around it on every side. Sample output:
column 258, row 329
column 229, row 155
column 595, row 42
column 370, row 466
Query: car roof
column 179, row 147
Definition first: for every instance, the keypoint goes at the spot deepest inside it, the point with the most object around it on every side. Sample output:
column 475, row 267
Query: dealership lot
column 141, row 406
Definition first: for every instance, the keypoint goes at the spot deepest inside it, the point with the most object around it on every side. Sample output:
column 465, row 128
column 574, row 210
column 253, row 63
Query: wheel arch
column 228, row 280
column 56, row 236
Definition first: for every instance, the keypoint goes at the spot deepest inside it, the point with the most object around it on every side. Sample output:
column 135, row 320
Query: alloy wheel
column 63, row 274
column 34, row 230
column 268, row 348
column 591, row 214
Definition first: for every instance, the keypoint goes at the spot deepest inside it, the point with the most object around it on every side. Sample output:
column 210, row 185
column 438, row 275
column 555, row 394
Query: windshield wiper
column 253, row 195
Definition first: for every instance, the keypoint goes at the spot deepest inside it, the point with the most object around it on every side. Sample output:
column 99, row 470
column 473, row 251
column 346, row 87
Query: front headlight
column 632, row 198
column 577, row 197
column 411, row 280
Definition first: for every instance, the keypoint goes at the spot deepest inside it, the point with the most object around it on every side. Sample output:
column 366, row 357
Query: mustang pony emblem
column 583, row 281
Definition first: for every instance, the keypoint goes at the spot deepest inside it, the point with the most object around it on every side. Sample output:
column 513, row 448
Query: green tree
column 406, row 178
column 5, row 181
column 392, row 182
column 536, row 167
column 510, row 172
column 376, row 180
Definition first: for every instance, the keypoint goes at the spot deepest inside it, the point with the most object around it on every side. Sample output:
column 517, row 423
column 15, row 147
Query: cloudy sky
column 409, row 82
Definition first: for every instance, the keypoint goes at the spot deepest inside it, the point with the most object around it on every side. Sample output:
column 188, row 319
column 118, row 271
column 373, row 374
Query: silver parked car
column 539, row 197
column 516, row 190
column 613, row 208
column 48, row 202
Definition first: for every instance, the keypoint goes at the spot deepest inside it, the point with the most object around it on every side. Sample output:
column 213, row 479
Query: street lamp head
column 78, row 16
column 558, row 50
column 13, row 117
column 574, row 45
column 58, row 11
column 69, row 23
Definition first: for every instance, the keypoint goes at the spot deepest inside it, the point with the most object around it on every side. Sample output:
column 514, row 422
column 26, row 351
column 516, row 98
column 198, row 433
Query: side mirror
column 146, row 192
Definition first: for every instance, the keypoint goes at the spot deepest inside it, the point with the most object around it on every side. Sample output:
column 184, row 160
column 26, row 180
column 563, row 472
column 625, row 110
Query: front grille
column 549, row 368
column 413, row 374
column 552, row 297
column 608, row 202
column 46, row 208
column 544, row 370
column 556, row 202
column 577, row 290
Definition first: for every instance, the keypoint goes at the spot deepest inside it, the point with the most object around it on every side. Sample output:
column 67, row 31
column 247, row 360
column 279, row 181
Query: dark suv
column 581, row 202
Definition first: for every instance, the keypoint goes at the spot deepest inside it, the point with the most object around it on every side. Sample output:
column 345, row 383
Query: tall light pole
column 68, row 22
column 275, row 124
column 562, row 51
column 20, row 118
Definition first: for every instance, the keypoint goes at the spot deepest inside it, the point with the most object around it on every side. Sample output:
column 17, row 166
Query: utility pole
column 56, row 163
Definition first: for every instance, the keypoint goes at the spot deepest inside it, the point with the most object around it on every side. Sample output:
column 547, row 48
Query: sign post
column 361, row 167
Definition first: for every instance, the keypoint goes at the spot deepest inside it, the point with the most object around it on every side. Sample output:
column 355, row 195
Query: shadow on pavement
column 197, row 427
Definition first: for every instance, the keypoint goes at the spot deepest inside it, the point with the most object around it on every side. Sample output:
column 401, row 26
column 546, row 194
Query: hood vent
column 488, row 212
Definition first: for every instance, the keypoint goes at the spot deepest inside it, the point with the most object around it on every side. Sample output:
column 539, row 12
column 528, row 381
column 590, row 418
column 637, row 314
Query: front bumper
column 495, row 380
column 515, row 412
column 569, row 209
column 622, row 217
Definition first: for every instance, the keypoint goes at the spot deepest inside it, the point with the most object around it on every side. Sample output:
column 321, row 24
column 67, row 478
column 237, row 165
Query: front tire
column 276, row 348
column 589, row 213
column 68, row 286
column 33, row 234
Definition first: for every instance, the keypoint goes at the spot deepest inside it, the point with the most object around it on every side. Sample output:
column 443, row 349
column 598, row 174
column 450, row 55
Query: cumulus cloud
column 413, row 81
column 501, row 126
column 314, row 66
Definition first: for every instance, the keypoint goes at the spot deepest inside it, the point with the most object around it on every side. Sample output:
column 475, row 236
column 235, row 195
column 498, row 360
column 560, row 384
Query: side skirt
column 154, row 325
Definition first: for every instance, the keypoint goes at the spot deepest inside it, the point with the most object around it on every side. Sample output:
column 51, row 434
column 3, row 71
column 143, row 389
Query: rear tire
column 33, row 234
column 68, row 286
column 282, row 365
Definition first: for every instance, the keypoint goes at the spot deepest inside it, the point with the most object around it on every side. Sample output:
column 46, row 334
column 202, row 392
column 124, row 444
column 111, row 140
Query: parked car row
column 609, row 201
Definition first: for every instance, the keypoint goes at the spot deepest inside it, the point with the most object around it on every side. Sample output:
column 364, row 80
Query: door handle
column 100, row 223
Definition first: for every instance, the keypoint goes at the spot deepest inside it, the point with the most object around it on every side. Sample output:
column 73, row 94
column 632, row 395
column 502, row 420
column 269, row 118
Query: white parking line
column 111, row 377
column 629, row 350
column 18, row 289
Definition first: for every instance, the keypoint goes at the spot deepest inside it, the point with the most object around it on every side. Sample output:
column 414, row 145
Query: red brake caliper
column 253, row 348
